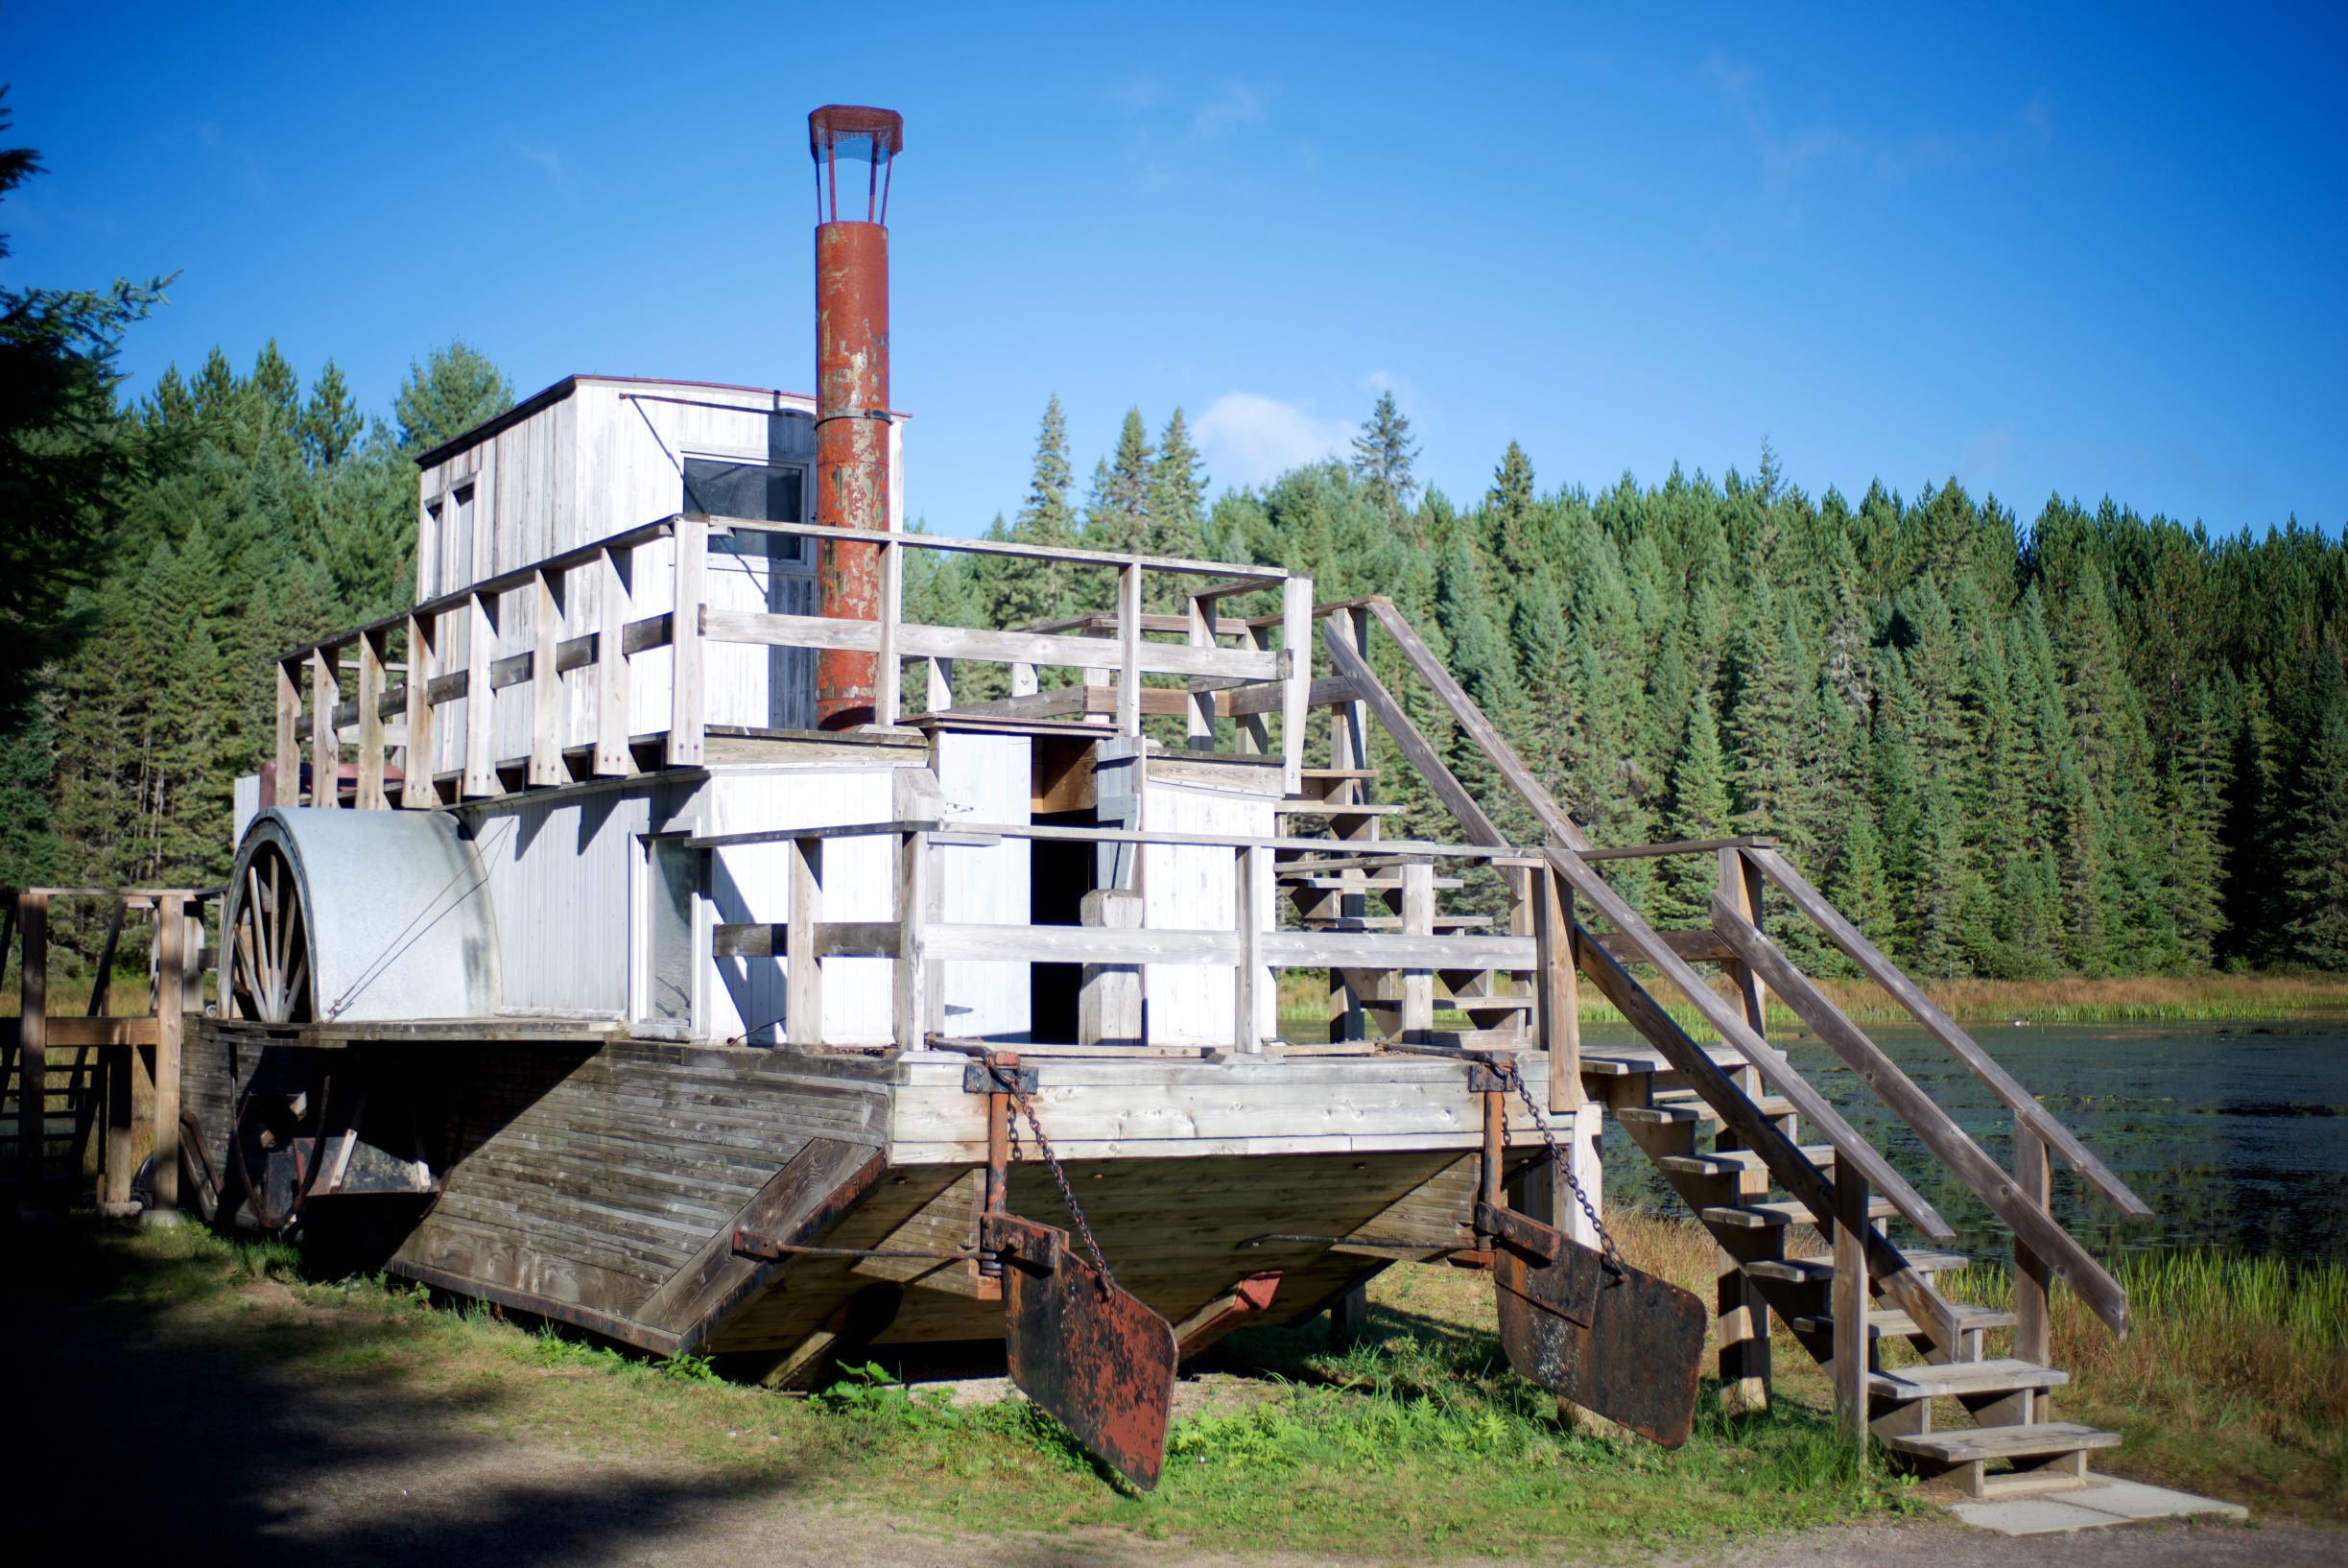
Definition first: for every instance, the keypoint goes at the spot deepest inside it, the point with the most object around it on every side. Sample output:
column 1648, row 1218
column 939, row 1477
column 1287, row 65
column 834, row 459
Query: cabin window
column 674, row 880
column 765, row 493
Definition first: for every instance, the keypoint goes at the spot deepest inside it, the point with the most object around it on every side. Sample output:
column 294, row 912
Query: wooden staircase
column 1723, row 1125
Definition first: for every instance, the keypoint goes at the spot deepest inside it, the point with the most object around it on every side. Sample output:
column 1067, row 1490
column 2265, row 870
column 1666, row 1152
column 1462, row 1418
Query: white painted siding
column 1187, row 887
column 986, row 779
column 560, row 890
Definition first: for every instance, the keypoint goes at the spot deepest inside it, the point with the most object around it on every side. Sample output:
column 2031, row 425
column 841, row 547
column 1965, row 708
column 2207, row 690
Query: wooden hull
column 603, row 1183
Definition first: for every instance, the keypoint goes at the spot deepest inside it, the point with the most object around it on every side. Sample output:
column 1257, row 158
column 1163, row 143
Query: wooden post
column 1744, row 1313
column 2033, row 1326
column 371, row 655
column 480, row 703
column 914, row 991
column 546, row 605
column 1349, row 752
column 1296, row 696
column 612, row 756
column 1418, row 984
column 417, row 788
column 688, row 700
column 1198, row 714
column 170, row 977
column 1557, row 997
column 1109, row 996
column 325, row 745
column 1853, row 1349
column 1129, row 650
column 117, row 1062
column 802, row 969
column 888, row 671
column 1250, row 869
column 32, row 1048
column 1253, row 730
column 1023, row 681
column 288, row 790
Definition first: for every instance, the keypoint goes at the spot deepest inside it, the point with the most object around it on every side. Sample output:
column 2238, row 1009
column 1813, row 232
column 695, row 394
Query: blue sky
column 2098, row 252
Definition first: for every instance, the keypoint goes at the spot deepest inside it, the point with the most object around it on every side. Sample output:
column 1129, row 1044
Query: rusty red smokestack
column 851, row 382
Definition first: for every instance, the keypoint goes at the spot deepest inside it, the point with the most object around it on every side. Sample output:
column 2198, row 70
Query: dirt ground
column 203, row 1450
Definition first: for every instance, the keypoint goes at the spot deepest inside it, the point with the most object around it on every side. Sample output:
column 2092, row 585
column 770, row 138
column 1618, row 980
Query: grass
column 1415, row 1443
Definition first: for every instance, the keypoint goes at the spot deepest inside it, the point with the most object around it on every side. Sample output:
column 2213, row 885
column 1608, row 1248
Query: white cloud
column 1249, row 439
column 542, row 155
column 1139, row 95
column 1237, row 105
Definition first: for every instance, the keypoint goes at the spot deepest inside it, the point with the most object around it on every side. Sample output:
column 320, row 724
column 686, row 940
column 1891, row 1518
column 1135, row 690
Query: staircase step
column 2004, row 1375
column 1782, row 1212
column 2037, row 1440
column 1769, row 1106
column 1894, row 1323
column 1821, row 1156
column 1934, row 1263
column 1793, row 1271
column 1659, row 1116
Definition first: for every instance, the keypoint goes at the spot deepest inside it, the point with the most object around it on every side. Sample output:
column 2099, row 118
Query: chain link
column 1563, row 1162
column 1059, row 1178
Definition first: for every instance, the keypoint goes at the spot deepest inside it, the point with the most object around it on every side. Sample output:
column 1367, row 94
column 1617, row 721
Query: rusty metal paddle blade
column 1629, row 1347
column 1101, row 1362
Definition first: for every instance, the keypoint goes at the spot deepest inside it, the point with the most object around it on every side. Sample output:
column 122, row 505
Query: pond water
column 2236, row 1132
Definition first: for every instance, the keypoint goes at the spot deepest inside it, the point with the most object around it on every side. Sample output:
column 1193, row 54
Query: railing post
column 288, row 783
column 1198, row 714
column 802, row 968
column 1251, row 868
column 325, row 743
column 422, row 758
column 1740, row 886
column 2033, row 1328
column 688, row 701
column 115, row 1062
column 1023, row 681
column 32, row 1048
column 1853, row 1347
column 547, row 593
column 938, row 684
column 1252, row 729
column 915, row 994
column 480, row 703
column 1558, row 1000
column 1109, row 995
column 170, row 1003
column 1129, row 650
column 1418, row 984
column 1296, row 695
column 371, row 653
column 887, row 672
column 612, row 757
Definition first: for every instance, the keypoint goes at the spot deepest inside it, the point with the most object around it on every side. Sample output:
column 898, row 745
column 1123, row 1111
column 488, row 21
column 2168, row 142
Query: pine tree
column 1117, row 512
column 1383, row 455
column 454, row 390
column 1512, row 524
column 1177, row 493
column 1698, row 810
column 331, row 425
column 2315, row 881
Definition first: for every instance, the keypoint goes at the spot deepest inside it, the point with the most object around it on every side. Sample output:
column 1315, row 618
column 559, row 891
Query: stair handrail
column 1791, row 1168
column 1910, row 995
column 2025, row 1215
column 2034, row 1124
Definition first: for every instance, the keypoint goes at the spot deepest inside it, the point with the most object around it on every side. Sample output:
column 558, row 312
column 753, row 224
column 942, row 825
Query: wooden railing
column 1751, row 962
column 333, row 703
column 107, row 1100
column 919, row 941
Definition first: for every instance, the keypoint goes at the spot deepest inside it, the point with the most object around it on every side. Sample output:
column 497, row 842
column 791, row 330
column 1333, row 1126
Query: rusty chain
column 1060, row 1178
column 1558, row 1157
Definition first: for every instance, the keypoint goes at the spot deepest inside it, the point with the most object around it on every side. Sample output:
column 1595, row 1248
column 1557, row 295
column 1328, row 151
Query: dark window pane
column 744, row 489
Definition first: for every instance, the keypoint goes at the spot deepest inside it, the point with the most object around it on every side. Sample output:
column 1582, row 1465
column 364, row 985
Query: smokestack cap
column 852, row 130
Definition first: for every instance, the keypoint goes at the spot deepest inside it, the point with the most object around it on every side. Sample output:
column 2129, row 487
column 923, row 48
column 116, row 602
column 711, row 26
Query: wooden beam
column 1296, row 692
column 95, row 1034
column 1854, row 1345
column 1198, row 711
column 2006, row 1197
column 546, row 605
column 1417, row 983
column 612, row 760
column 953, row 642
column 325, row 745
column 1696, row 946
column 888, row 668
column 688, row 694
column 1251, row 872
column 289, row 752
column 2033, row 1324
column 31, row 1046
column 1910, row 995
column 1351, row 666
column 803, row 974
column 422, row 758
column 1129, row 649
column 479, row 773
column 370, row 796
column 1558, row 1015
